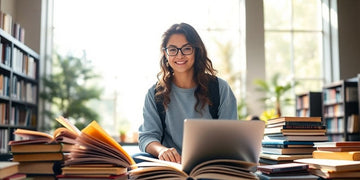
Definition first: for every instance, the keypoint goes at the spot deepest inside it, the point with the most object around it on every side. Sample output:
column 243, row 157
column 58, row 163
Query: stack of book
column 284, row 171
column 335, row 160
column 96, row 155
column 40, row 154
column 10, row 171
column 290, row 138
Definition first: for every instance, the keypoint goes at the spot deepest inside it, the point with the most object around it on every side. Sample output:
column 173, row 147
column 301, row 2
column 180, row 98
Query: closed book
column 334, row 175
column 297, row 131
column 297, row 138
column 338, row 149
column 264, row 161
column 286, row 144
column 280, row 168
column 36, row 167
column 17, row 176
column 23, row 157
column 352, row 156
column 96, row 177
column 287, row 150
column 93, row 170
column 8, row 168
column 28, row 148
column 338, row 144
column 284, row 157
column 297, row 124
column 294, row 119
column 308, row 176
column 331, row 164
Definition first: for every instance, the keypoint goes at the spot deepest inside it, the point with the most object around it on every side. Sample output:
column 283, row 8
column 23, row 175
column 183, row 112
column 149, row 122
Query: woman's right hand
column 163, row 153
column 169, row 154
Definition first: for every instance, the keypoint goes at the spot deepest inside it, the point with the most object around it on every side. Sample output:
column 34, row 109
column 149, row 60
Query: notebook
column 221, row 139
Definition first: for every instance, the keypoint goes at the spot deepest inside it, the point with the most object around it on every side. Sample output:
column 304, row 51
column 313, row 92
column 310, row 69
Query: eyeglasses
column 173, row 51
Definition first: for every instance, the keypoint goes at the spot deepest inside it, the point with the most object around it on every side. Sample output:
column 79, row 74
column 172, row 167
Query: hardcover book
column 280, row 168
column 26, row 157
column 294, row 119
column 331, row 164
column 32, row 148
column 38, row 167
column 94, row 170
column 287, row 150
column 283, row 157
column 296, row 138
column 338, row 144
column 352, row 155
column 286, row 144
column 8, row 168
column 335, row 175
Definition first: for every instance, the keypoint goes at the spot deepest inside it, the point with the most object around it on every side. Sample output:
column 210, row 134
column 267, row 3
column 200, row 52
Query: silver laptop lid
column 221, row 139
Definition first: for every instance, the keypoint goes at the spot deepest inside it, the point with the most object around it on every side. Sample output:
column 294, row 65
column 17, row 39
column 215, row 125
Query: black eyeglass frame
column 178, row 49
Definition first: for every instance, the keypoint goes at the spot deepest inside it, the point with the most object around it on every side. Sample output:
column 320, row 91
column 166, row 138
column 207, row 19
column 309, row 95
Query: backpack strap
column 161, row 110
column 213, row 94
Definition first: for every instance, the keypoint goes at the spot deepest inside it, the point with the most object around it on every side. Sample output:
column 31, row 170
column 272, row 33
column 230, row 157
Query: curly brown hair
column 203, row 68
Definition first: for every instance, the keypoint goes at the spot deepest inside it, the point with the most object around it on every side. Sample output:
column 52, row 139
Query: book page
column 224, row 167
column 66, row 123
column 91, row 150
column 95, row 130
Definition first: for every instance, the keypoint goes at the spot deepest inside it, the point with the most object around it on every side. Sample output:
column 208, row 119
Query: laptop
column 221, row 139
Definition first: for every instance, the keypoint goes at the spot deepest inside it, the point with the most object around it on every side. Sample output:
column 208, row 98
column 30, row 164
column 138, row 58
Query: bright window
column 293, row 43
column 122, row 40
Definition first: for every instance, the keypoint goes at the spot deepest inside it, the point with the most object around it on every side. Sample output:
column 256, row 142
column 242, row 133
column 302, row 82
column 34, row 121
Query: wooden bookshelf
column 309, row 104
column 19, row 82
column 340, row 104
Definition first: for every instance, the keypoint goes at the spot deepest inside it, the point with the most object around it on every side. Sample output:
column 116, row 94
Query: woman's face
column 184, row 60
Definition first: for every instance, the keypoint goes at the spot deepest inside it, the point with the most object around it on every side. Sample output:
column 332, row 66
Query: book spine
column 288, row 169
column 303, row 127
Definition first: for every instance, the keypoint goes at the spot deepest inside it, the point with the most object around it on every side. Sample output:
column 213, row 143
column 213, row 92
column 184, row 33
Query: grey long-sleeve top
column 182, row 102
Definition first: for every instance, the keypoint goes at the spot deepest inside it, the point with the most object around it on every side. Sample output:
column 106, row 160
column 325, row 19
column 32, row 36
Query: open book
column 66, row 134
column 95, row 146
column 212, row 169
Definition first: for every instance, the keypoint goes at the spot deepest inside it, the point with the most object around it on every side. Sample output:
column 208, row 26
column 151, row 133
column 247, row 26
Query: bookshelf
column 19, row 81
column 340, row 106
column 309, row 104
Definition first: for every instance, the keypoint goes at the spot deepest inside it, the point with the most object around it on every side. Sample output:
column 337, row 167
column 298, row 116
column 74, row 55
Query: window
column 293, row 43
column 110, row 30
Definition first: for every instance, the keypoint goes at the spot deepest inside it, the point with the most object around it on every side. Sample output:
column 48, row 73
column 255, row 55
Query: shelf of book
column 309, row 104
column 19, row 82
column 340, row 110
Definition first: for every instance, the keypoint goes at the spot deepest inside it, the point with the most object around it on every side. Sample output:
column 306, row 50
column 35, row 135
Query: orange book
column 352, row 156
column 98, row 147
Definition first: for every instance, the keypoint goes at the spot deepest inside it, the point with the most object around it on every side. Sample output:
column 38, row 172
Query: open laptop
column 221, row 139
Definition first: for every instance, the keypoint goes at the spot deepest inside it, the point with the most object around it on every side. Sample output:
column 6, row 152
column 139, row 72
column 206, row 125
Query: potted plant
column 67, row 90
column 123, row 135
column 275, row 91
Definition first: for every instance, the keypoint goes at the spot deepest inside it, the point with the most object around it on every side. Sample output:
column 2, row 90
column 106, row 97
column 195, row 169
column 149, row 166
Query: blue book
column 286, row 144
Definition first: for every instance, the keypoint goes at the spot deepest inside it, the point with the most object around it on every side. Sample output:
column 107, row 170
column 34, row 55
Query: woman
column 182, row 90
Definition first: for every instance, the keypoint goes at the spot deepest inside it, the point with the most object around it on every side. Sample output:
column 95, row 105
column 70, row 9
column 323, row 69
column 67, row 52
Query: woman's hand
column 163, row 153
column 169, row 154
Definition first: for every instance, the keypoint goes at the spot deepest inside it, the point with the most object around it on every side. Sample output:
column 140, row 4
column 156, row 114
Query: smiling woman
column 122, row 39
